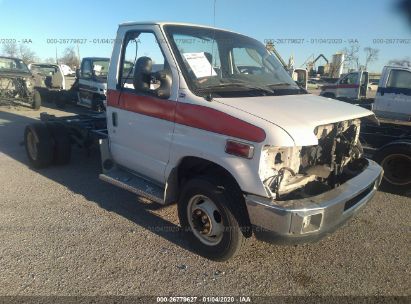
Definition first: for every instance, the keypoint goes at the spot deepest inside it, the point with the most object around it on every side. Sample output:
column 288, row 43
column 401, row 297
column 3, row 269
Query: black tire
column 232, row 238
column 62, row 144
column 396, row 162
column 36, row 100
column 37, row 136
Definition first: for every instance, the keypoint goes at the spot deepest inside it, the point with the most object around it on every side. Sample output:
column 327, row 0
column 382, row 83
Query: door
column 394, row 93
column 141, row 116
column 348, row 86
column 85, row 81
column 363, row 89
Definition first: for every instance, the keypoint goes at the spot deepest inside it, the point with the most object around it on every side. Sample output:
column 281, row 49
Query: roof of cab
column 162, row 23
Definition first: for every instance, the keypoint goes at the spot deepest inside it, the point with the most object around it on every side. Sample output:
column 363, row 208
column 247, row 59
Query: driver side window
column 86, row 69
column 350, row 79
column 142, row 62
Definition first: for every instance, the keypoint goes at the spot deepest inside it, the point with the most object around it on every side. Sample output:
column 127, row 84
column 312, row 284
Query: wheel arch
column 406, row 142
column 191, row 166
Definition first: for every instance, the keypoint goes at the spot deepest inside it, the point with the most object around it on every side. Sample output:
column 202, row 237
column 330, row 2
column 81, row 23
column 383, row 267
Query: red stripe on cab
column 195, row 116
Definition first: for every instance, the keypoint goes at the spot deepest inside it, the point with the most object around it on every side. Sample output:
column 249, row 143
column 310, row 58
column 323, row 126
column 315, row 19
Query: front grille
column 356, row 199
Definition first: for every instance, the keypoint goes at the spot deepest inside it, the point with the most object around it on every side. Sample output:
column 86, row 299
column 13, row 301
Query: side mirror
column 77, row 73
column 164, row 91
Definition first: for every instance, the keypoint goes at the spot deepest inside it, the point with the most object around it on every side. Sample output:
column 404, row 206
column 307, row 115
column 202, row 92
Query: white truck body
column 211, row 120
column 67, row 71
column 393, row 99
column 166, row 132
column 353, row 86
column 390, row 142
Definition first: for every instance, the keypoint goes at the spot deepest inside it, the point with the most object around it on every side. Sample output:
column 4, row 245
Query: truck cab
column 210, row 120
column 300, row 76
column 393, row 99
column 352, row 87
column 92, row 82
column 389, row 143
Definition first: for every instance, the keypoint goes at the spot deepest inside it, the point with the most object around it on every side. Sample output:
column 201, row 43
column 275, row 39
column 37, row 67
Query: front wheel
column 209, row 218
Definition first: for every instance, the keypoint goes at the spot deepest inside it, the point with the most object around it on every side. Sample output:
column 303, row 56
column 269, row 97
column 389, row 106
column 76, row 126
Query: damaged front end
column 15, row 89
column 16, row 82
column 300, row 172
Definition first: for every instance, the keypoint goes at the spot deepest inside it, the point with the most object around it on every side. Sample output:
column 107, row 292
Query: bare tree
column 70, row 58
column 371, row 55
column 351, row 56
column 27, row 55
column 10, row 49
column 405, row 62
column 21, row 51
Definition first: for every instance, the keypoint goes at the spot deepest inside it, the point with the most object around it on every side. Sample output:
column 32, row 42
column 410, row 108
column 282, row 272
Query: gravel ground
column 64, row 232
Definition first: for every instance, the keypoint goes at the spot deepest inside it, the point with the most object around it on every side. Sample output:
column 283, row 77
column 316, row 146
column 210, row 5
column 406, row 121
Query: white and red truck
column 354, row 87
column 210, row 120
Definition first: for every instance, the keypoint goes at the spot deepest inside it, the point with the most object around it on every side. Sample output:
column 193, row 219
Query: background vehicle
column 49, row 76
column 17, row 83
column 300, row 76
column 239, row 152
column 390, row 142
column 49, row 82
column 67, row 71
column 92, row 83
column 352, row 87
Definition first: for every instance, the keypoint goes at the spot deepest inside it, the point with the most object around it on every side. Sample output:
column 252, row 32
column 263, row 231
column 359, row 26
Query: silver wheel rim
column 32, row 145
column 205, row 219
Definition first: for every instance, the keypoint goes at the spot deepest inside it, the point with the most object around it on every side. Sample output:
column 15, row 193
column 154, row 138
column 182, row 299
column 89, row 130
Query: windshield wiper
column 239, row 85
column 280, row 84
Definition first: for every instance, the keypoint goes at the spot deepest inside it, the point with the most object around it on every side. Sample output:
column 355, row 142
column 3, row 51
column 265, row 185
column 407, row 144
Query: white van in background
column 67, row 71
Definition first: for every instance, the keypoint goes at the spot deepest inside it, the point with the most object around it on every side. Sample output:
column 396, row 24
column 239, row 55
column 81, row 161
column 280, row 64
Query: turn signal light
column 239, row 149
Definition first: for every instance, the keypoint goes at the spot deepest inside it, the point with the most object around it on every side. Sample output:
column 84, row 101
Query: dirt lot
column 64, row 232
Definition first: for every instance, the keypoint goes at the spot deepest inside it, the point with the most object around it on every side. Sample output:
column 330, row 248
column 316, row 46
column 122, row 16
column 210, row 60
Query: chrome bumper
column 310, row 219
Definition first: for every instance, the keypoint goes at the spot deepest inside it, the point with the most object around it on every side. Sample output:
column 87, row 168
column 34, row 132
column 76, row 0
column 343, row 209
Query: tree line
column 23, row 52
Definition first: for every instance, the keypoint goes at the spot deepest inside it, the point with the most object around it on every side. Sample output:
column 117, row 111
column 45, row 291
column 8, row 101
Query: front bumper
column 309, row 219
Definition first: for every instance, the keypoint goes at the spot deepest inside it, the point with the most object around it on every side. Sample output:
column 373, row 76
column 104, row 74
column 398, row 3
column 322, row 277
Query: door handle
column 114, row 119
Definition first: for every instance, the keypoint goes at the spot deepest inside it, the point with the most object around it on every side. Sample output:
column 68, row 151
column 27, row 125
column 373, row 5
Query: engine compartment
column 15, row 88
column 300, row 172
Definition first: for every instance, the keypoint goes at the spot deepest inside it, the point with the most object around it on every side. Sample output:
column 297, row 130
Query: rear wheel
column 210, row 219
column 396, row 162
column 39, row 145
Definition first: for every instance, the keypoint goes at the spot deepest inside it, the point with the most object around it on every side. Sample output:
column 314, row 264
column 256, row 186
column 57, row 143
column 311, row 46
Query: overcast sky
column 307, row 22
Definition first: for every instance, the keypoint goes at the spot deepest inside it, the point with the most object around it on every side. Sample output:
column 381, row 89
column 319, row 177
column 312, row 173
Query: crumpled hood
column 298, row 115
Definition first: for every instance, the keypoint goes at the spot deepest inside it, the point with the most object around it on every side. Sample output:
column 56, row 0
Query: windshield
column 13, row 65
column 226, row 64
column 100, row 67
